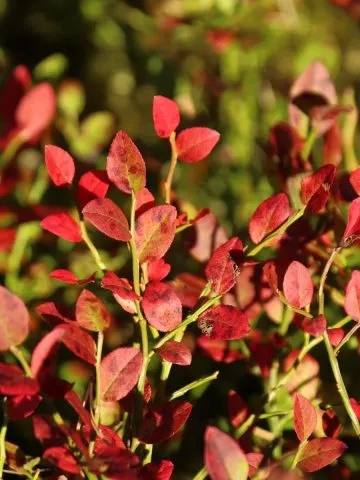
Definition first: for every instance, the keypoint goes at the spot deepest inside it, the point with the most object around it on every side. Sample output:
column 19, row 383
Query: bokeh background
column 229, row 65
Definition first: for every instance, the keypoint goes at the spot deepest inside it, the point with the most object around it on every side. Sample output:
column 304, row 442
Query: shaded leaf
column 194, row 144
column 305, row 417
column 352, row 230
column 79, row 342
column 125, row 165
column 315, row 189
column 162, row 307
column 121, row 286
column 77, row 405
column 352, row 296
column 62, row 459
column 254, row 460
column 166, row 116
column 319, row 453
column 355, row 180
column 298, row 286
column 60, row 165
column 62, row 225
column 224, row 322
column 91, row 312
column 14, row 319
column 157, row 471
column 22, row 406
column 175, row 352
column 14, row 382
column 238, row 410
column 108, row 218
column 93, row 184
column 314, row 326
column 268, row 216
column 66, row 276
column 331, row 423
column 206, row 236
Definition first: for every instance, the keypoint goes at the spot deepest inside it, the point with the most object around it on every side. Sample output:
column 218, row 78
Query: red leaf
column 305, row 379
column 208, row 235
column 352, row 230
column 162, row 307
column 62, row 459
column 222, row 270
column 217, row 350
column 120, row 286
column 238, row 410
column 224, row 322
column 22, row 406
column 108, row 218
column 119, row 373
column 126, row 304
column 355, row 180
column 155, row 232
column 164, row 421
column 14, row 319
column 43, row 350
column 355, row 406
column 46, row 432
column 14, row 382
column 62, row 225
column 254, row 460
column 324, row 117
column 175, row 352
column 77, row 405
column 335, row 336
column 125, row 165
column 158, row 269
column 319, row 453
column 352, row 296
column 330, row 423
column 91, row 313
column 157, row 471
column 223, row 458
column 36, row 110
column 107, row 440
column 315, row 189
column 166, row 116
column 144, row 200
column 53, row 313
column 298, row 286
column 93, row 184
column 194, row 144
column 66, row 276
column 315, row 326
column 269, row 215
column 60, row 165
column 79, row 342
column 305, row 417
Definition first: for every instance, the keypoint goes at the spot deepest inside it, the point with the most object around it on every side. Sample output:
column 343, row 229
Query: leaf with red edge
column 155, row 232
column 144, row 200
column 53, row 314
column 320, row 453
column 164, row 421
column 335, row 336
column 36, row 110
column 313, row 88
column 121, row 286
column 157, row 471
column 315, row 326
column 224, row 322
column 14, row 319
column 93, row 184
column 175, row 352
column 315, row 189
column 60, row 165
column 14, row 382
column 22, row 406
column 194, row 144
column 119, row 373
column 238, row 410
column 355, row 180
column 305, row 417
column 221, row 269
column 66, row 276
column 223, row 458
column 254, row 460
column 355, row 406
column 107, row 440
column 78, row 342
column 158, row 269
column 77, row 405
column 269, row 215
column 108, row 218
column 162, row 307
column 125, row 165
column 63, row 226
column 63, row 459
column 352, row 296
column 166, row 116
column 352, row 230
column 298, row 286
column 91, row 312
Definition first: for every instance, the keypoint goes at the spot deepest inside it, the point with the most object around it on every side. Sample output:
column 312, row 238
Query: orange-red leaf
column 14, row 319
column 320, row 453
column 108, row 218
column 224, row 322
column 60, row 165
column 305, row 417
column 93, row 184
column 162, row 307
column 62, row 225
column 194, row 144
column 298, row 286
column 175, row 352
column 269, row 215
column 166, row 116
column 315, row 189
column 91, row 312
column 352, row 297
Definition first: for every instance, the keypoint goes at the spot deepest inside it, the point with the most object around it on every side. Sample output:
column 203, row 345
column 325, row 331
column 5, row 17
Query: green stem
column 304, row 313
column 201, row 475
column 3, row 432
column 99, row 349
column 286, row 321
column 12, row 149
column 173, row 162
column 277, row 232
column 194, row 384
column 91, row 247
column 346, row 338
column 310, row 142
column 244, row 427
column 298, row 454
column 22, row 360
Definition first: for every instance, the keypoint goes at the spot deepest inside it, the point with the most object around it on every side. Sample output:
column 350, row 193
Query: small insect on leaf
column 223, row 458
column 269, row 215
column 60, row 165
column 194, row 144
column 125, row 165
column 298, row 286
column 63, row 226
column 108, row 218
column 305, row 417
column 166, row 116
column 224, row 322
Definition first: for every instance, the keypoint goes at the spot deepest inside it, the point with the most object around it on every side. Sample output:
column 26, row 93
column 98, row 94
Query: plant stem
column 254, row 251
column 3, row 432
column 201, row 475
column 304, row 313
column 91, row 247
column 194, row 384
column 173, row 162
column 332, row 357
column 347, row 338
column 298, row 454
column 99, row 349
column 309, row 144
column 22, row 360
